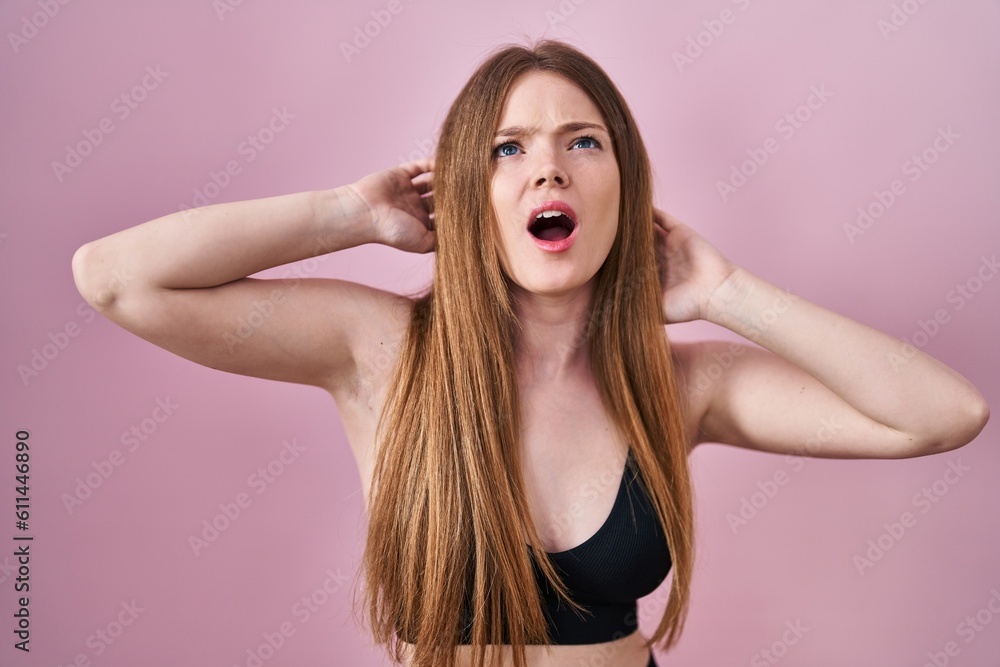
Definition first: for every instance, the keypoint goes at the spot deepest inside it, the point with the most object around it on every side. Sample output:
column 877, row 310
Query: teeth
column 547, row 214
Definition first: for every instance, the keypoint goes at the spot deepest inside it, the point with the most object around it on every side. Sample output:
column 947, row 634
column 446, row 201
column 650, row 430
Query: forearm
column 902, row 388
column 219, row 243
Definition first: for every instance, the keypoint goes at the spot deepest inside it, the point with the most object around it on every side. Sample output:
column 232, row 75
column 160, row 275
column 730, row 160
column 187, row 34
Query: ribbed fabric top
column 626, row 559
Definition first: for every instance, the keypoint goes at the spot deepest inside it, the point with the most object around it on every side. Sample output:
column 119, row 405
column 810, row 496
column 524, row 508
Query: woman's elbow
column 89, row 276
column 966, row 430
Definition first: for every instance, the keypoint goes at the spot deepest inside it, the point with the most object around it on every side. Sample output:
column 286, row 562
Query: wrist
column 729, row 295
column 344, row 215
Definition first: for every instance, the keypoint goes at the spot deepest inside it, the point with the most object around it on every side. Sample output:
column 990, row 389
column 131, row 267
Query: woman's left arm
column 824, row 385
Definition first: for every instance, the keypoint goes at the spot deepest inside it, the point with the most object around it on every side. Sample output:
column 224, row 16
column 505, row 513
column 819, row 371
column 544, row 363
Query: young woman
column 535, row 362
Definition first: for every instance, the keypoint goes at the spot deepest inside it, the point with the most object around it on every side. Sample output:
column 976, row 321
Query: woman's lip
column 561, row 245
column 553, row 205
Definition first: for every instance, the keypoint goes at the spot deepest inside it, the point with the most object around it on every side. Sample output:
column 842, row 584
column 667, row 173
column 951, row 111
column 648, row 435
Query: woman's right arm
column 180, row 281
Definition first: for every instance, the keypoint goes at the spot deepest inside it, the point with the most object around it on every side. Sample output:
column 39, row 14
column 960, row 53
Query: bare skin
column 188, row 284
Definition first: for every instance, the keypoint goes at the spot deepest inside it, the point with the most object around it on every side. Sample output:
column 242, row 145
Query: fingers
column 421, row 175
column 666, row 220
column 658, row 222
column 424, row 183
column 417, row 167
column 427, row 200
column 424, row 186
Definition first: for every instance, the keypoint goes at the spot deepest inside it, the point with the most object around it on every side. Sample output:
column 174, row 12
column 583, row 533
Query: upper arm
column 750, row 397
column 307, row 331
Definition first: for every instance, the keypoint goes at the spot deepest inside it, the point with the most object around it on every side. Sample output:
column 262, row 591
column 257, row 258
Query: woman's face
column 553, row 145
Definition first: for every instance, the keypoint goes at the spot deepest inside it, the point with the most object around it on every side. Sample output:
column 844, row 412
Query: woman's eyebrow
column 573, row 126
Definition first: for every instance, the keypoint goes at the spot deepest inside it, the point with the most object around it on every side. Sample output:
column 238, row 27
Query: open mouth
column 552, row 226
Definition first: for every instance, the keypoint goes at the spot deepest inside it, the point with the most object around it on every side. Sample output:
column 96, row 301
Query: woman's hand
column 400, row 215
column 691, row 269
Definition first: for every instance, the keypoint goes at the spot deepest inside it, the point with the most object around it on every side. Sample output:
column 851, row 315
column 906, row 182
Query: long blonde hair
column 447, row 504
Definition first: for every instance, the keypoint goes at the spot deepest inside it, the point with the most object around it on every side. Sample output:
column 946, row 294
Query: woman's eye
column 509, row 149
column 499, row 150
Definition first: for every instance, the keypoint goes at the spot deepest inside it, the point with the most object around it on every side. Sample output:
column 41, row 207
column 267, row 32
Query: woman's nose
column 550, row 171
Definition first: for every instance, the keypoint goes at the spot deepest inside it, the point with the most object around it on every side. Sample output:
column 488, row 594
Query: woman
column 536, row 362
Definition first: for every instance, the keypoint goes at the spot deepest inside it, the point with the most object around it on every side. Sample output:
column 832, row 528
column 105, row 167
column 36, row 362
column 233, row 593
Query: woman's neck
column 552, row 343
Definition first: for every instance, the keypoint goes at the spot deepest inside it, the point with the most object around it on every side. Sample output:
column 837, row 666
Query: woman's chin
column 551, row 285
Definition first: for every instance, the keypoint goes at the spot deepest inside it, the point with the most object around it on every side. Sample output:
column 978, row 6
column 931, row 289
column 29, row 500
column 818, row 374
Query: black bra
column 626, row 559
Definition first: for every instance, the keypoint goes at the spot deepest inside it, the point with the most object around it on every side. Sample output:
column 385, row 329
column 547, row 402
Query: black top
column 626, row 559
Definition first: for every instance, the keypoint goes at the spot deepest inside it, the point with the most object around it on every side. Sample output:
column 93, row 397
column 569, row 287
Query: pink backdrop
column 888, row 107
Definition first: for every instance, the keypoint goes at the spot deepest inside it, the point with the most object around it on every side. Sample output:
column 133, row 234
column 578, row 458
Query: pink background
column 793, row 562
